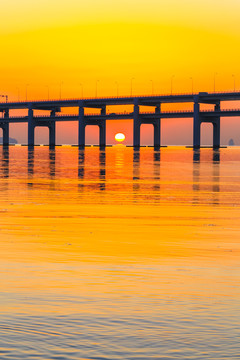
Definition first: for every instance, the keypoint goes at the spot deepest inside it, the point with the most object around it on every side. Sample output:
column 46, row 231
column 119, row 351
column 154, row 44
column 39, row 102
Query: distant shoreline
column 11, row 140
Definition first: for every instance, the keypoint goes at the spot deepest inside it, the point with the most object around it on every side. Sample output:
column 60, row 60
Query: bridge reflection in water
column 207, row 182
column 143, row 175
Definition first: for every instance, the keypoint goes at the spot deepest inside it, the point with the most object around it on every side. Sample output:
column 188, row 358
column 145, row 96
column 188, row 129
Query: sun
column 119, row 137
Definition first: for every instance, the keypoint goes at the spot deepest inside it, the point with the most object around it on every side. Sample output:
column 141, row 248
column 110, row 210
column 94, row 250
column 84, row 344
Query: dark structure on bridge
column 139, row 117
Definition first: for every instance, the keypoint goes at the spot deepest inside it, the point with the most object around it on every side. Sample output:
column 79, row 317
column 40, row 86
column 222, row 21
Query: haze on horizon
column 79, row 48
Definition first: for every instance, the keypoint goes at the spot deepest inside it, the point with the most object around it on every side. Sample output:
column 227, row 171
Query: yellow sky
column 27, row 14
column 47, row 42
column 149, row 43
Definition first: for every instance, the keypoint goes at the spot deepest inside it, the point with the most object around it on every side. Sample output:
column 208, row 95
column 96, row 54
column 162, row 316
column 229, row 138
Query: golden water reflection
column 119, row 253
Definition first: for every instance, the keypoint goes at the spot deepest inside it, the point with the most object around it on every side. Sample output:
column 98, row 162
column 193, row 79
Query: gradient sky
column 75, row 43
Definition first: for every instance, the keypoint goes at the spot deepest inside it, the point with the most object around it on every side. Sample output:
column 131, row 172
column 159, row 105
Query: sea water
column 119, row 254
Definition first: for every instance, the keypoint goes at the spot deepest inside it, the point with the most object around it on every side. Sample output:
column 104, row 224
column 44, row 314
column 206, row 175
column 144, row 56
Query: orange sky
column 75, row 43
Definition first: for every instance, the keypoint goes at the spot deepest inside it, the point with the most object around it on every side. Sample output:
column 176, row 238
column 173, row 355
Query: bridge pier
column 4, row 125
column 52, row 134
column 102, row 129
column 216, row 134
column 196, row 125
column 136, row 125
column 81, row 126
column 102, row 134
column 31, row 127
column 157, row 128
column 216, row 129
column 52, row 131
column 138, row 121
column 5, row 128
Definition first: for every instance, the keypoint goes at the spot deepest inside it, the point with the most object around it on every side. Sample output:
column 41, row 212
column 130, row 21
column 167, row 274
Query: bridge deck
column 108, row 101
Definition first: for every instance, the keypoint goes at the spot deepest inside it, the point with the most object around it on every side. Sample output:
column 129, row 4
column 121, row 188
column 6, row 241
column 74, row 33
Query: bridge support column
column 216, row 134
column 136, row 125
column 52, row 131
column 102, row 129
column 31, row 128
column 52, row 134
column 5, row 128
column 196, row 126
column 157, row 128
column 216, row 129
column 81, row 126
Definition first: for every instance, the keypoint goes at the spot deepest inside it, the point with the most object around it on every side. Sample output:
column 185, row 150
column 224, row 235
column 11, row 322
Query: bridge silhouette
column 139, row 117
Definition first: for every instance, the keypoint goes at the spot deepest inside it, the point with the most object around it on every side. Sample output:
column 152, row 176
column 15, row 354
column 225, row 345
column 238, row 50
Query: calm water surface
column 119, row 254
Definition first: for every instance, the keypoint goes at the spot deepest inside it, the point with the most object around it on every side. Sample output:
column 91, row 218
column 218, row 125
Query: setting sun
column 119, row 137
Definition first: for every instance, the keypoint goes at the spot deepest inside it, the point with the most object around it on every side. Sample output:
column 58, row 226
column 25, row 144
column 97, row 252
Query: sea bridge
column 53, row 109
